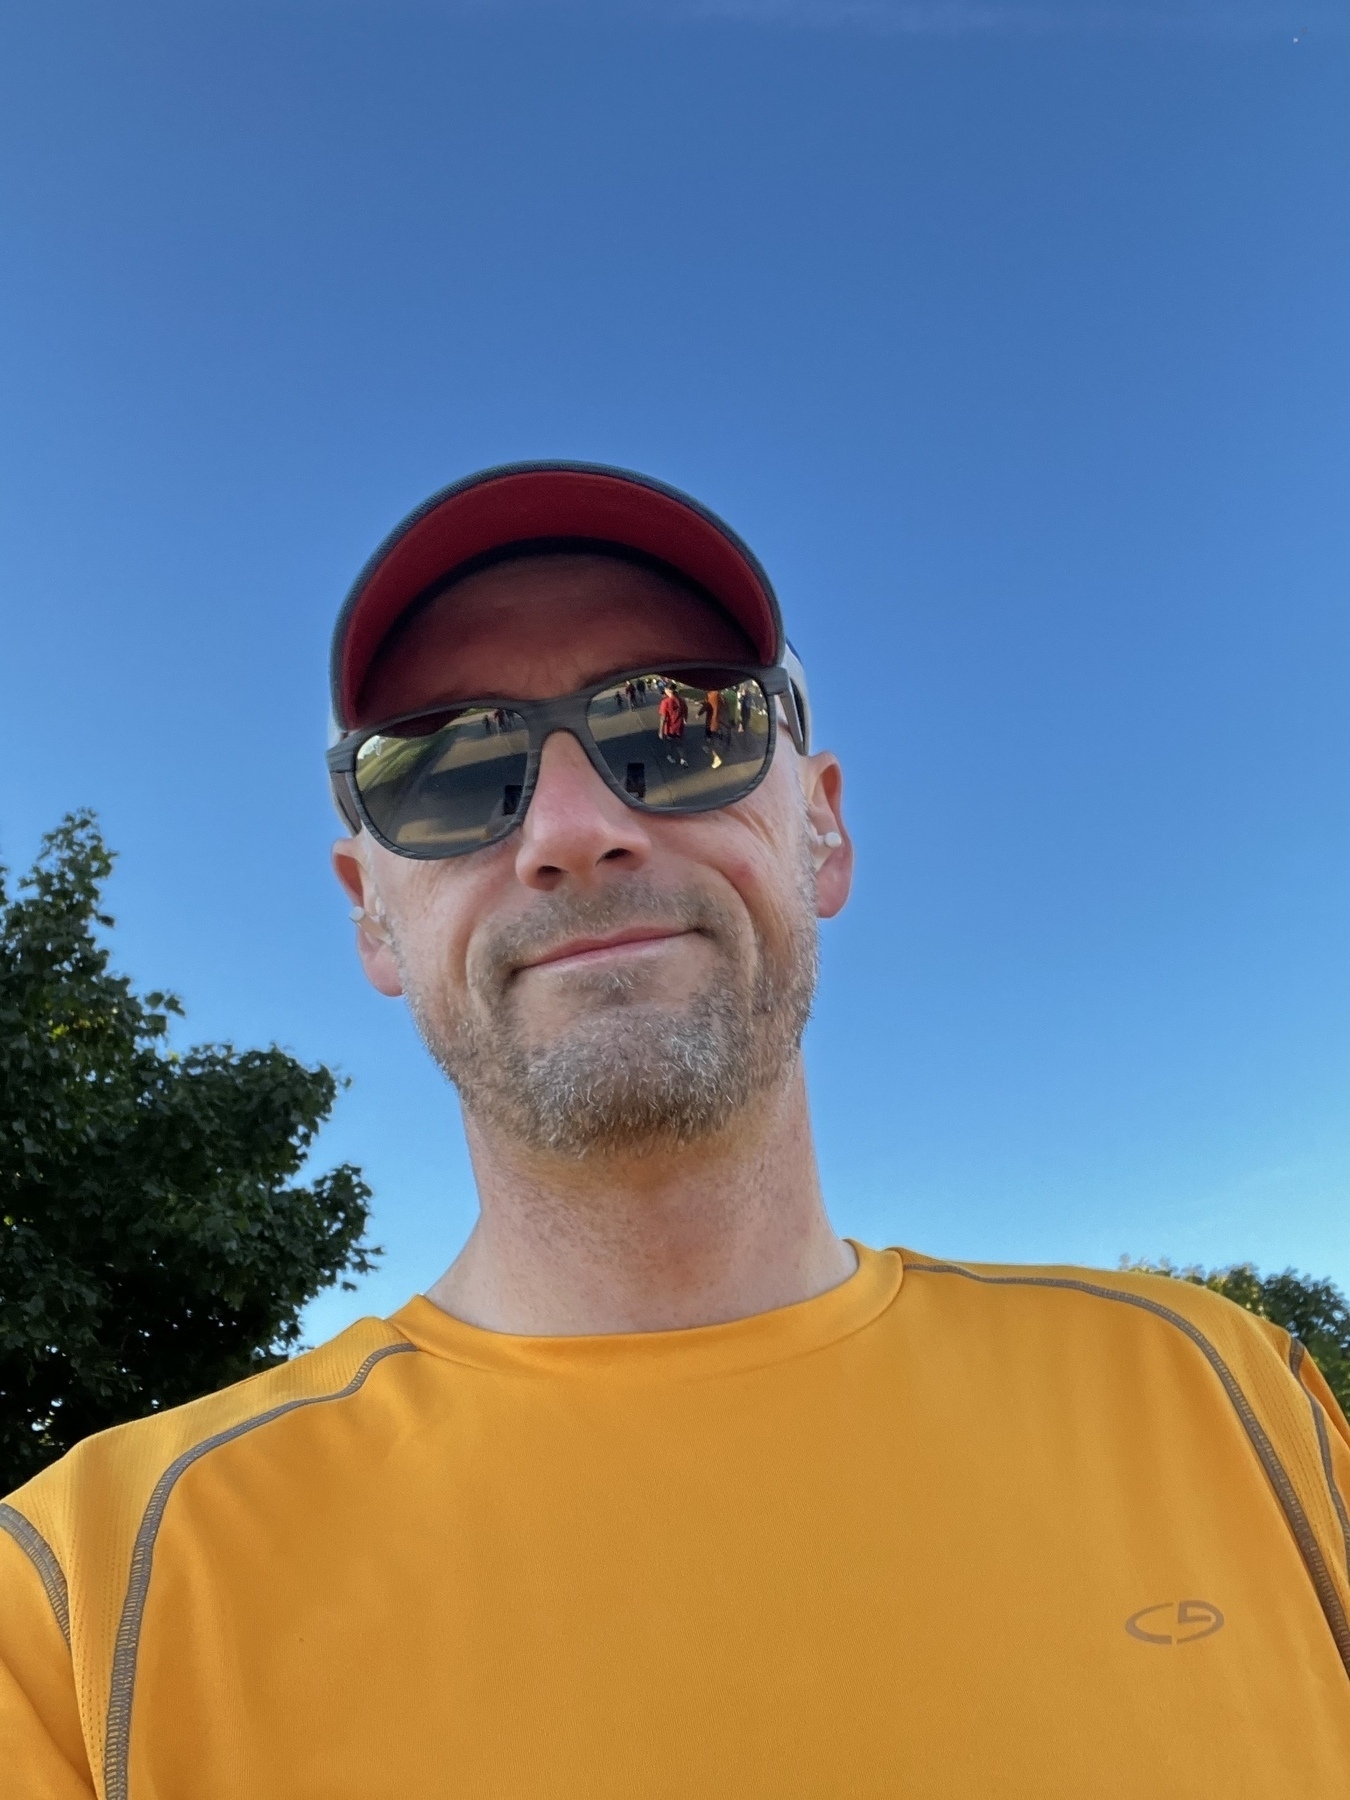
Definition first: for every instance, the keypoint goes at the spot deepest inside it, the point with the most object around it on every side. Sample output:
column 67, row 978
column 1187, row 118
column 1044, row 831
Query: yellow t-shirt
column 943, row 1531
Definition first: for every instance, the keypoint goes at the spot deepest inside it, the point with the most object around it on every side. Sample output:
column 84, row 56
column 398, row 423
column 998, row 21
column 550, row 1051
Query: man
column 663, row 1489
column 672, row 712
column 712, row 712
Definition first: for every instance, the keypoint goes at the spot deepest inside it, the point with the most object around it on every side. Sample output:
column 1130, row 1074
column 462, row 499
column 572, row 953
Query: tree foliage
column 1315, row 1312
column 153, row 1244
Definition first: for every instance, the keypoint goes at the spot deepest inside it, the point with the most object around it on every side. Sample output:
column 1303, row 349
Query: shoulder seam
column 118, row 1739
column 1276, row 1473
column 1297, row 1356
column 43, row 1558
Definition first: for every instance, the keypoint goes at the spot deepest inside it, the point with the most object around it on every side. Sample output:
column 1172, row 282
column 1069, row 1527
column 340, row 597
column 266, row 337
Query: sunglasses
column 681, row 738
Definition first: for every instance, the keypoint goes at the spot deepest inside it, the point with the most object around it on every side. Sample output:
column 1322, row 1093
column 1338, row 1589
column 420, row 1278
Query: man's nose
column 575, row 828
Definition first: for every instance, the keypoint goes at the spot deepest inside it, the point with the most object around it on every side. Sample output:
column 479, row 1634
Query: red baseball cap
column 524, row 503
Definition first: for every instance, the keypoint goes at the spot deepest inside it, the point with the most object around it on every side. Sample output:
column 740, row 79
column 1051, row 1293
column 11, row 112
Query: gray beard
column 631, row 1076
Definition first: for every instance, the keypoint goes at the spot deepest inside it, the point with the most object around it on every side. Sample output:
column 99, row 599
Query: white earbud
column 830, row 839
column 373, row 922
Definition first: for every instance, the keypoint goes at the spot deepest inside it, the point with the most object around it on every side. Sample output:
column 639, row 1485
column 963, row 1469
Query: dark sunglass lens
column 694, row 740
column 439, row 785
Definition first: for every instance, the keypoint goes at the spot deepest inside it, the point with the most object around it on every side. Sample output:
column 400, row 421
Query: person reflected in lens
column 673, row 712
column 713, row 723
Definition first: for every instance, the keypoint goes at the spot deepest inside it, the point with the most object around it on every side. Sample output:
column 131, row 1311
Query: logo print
column 1179, row 1622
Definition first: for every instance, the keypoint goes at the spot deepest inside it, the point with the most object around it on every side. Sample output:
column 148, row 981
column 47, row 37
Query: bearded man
column 663, row 1489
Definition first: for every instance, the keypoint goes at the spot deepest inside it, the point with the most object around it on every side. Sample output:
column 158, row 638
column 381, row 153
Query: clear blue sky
column 1014, row 339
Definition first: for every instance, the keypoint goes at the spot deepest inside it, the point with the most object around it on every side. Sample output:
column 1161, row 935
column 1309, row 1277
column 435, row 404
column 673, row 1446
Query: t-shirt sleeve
column 42, row 1752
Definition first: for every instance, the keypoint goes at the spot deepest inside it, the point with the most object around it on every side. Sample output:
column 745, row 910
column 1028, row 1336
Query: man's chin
column 587, row 1019
column 618, row 1080
column 623, row 1062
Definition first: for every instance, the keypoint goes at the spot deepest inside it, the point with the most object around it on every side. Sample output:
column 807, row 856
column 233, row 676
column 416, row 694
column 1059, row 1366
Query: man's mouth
column 610, row 947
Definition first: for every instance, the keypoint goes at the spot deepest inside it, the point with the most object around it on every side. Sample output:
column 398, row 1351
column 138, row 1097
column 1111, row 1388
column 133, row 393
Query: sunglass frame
column 564, row 712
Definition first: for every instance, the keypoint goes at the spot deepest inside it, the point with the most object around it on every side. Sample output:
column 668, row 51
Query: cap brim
column 523, row 502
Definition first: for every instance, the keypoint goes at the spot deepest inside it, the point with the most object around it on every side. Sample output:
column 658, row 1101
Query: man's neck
column 719, row 1230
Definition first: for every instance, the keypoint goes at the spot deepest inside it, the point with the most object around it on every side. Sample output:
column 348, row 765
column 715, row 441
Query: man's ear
column 352, row 869
column 831, row 846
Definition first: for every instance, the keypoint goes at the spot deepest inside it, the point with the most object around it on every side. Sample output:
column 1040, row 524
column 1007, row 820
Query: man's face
column 602, row 979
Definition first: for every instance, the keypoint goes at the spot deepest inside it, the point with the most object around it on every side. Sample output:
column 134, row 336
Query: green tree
column 153, row 1245
column 1315, row 1312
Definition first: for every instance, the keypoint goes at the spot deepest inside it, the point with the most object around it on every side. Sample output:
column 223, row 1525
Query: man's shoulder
column 1163, row 1296
column 114, row 1475
column 1081, row 1305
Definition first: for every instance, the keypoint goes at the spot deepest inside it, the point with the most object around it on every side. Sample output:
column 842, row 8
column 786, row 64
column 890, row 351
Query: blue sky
column 1012, row 337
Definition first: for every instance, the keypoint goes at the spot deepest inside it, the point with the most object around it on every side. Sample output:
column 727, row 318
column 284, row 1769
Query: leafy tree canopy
column 1315, row 1312
column 153, row 1243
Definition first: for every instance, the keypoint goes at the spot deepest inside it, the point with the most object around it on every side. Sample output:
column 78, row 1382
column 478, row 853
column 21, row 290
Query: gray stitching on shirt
column 1285, row 1492
column 1297, row 1356
column 43, row 1558
column 118, row 1742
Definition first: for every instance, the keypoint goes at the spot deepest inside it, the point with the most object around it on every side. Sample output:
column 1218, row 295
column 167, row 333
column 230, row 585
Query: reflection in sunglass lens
column 447, row 783
column 691, row 741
